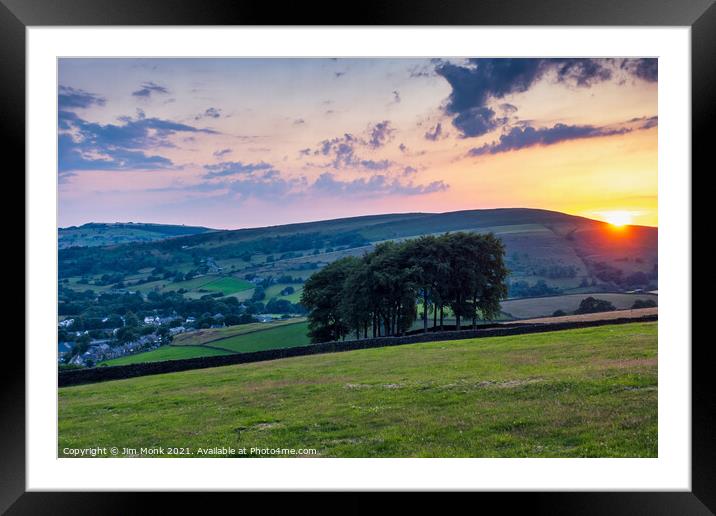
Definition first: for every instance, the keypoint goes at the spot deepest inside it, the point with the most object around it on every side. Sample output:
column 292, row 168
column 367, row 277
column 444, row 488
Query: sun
column 618, row 218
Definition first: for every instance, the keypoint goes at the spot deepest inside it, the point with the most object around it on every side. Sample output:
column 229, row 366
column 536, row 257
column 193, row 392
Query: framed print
column 420, row 252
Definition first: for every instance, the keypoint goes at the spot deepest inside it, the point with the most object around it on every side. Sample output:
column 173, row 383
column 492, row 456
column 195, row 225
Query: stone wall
column 102, row 374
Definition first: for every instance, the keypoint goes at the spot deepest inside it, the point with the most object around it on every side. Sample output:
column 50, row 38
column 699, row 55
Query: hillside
column 568, row 253
column 96, row 234
column 578, row 393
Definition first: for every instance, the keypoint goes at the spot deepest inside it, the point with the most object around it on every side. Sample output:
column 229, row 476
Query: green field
column 228, row 285
column 167, row 353
column 579, row 393
column 199, row 337
column 243, row 339
column 286, row 336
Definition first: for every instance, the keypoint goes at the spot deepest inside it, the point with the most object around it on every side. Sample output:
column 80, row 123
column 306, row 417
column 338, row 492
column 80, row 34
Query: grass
column 199, row 337
column 579, row 393
column 166, row 353
column 274, row 291
column 283, row 336
column 228, row 285
column 244, row 339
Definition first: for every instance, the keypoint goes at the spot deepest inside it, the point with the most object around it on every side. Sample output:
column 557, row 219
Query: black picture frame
column 700, row 15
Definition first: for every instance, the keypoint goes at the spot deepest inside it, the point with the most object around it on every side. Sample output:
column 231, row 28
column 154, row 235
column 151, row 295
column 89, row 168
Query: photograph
column 357, row 257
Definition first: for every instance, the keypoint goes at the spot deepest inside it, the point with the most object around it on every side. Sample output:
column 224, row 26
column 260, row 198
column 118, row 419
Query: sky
column 248, row 142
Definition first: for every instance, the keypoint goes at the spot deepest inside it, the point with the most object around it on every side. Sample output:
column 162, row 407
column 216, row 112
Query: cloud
column 71, row 98
column 222, row 152
column 267, row 185
column 87, row 145
column 648, row 122
column 421, row 71
column 343, row 150
column 479, row 81
column 209, row 113
column 376, row 165
column 148, row 88
column 646, row 69
column 299, row 121
column 524, row 137
column 396, row 96
column 377, row 185
column 380, row 134
column 231, row 168
column 434, row 133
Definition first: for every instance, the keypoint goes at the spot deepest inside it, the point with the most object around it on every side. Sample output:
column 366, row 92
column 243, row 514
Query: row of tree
column 381, row 292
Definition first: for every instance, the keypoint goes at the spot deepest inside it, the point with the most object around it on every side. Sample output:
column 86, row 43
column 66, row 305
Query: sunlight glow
column 617, row 218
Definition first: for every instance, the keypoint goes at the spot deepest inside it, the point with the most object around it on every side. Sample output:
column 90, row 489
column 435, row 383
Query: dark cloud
column 434, row 133
column 72, row 98
column 376, row 185
column 403, row 147
column 149, row 88
column 299, row 121
column 87, row 145
column 222, row 152
column 380, row 134
column 508, row 108
column 479, row 81
column 396, row 96
column 650, row 122
column 209, row 113
column 646, row 69
column 341, row 149
column 232, row 168
column 523, row 137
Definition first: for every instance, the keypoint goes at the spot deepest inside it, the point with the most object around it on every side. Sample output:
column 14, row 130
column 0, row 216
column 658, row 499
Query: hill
column 547, row 253
column 95, row 234
column 578, row 393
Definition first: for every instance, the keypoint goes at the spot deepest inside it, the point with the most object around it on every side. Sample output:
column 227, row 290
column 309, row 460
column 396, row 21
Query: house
column 66, row 323
column 153, row 320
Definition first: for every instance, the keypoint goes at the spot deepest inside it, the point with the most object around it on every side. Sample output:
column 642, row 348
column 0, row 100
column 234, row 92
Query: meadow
column 578, row 393
column 223, row 341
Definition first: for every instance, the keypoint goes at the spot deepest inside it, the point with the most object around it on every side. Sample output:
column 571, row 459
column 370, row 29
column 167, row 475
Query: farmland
column 545, row 306
column 577, row 393
column 223, row 341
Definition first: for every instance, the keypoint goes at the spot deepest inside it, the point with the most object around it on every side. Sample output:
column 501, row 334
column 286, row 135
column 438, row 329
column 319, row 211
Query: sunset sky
column 231, row 143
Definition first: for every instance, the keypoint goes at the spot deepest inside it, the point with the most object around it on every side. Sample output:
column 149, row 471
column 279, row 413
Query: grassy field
column 544, row 306
column 167, row 353
column 228, row 285
column 579, row 393
column 286, row 336
column 240, row 339
column 199, row 337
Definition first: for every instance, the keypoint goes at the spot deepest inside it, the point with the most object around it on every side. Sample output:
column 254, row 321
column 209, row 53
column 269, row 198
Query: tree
column 476, row 276
column 427, row 254
column 643, row 303
column 590, row 305
column 321, row 296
